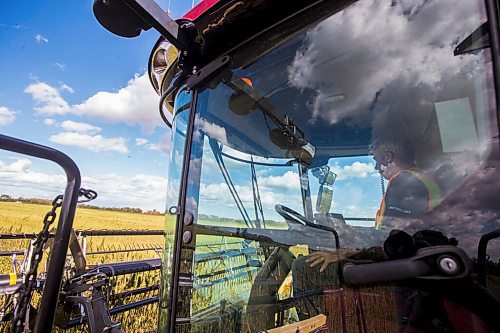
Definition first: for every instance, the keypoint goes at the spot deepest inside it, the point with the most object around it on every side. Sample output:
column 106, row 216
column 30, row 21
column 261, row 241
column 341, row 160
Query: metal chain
column 88, row 194
column 26, row 290
column 30, row 277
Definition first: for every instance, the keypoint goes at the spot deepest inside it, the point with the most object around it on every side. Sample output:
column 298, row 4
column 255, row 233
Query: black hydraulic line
column 481, row 255
column 116, row 310
column 20, row 236
column 257, row 203
column 135, row 305
column 227, row 178
column 50, row 296
column 11, row 253
column 134, row 292
column 120, row 232
column 129, row 267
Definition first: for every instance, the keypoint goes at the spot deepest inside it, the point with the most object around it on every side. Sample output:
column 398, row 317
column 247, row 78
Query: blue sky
column 68, row 83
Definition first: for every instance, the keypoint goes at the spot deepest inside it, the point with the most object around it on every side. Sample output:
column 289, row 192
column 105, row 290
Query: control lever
column 444, row 262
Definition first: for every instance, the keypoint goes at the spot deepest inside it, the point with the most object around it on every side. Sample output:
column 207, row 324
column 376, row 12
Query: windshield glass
column 363, row 139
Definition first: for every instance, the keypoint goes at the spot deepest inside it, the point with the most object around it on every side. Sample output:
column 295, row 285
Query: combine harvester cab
column 334, row 164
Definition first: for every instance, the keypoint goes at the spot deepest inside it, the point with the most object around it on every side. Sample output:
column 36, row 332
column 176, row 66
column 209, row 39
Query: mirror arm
column 152, row 13
column 127, row 18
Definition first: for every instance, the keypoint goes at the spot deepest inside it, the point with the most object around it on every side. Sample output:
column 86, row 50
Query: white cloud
column 96, row 143
column 144, row 191
column 19, row 166
column 213, row 131
column 141, row 141
column 355, row 170
column 48, row 99
column 7, row 116
column 40, row 38
column 58, row 65
column 392, row 46
column 163, row 146
column 49, row 121
column 141, row 190
column 18, row 178
column 67, row 88
column 289, row 180
column 136, row 104
column 73, row 126
column 215, row 200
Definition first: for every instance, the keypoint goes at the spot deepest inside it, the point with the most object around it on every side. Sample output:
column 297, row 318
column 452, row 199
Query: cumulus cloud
column 165, row 144
column 142, row 190
column 73, row 126
column 141, row 141
column 355, row 170
column 48, row 100
column 67, row 88
column 135, row 104
column 213, row 131
column 18, row 178
column 216, row 201
column 96, row 143
column 19, row 166
column 162, row 146
column 377, row 51
column 41, row 39
column 289, row 180
column 7, row 116
column 49, row 121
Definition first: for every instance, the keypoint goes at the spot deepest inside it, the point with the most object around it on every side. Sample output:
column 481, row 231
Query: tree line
column 39, row 201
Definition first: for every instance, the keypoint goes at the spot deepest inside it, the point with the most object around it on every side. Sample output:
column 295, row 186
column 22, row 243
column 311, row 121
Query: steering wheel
column 294, row 218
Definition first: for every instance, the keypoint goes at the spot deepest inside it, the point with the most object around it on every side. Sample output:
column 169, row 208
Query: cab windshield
column 284, row 164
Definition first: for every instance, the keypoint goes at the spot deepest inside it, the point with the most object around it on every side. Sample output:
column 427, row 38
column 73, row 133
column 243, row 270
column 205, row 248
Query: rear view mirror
column 326, row 178
column 117, row 17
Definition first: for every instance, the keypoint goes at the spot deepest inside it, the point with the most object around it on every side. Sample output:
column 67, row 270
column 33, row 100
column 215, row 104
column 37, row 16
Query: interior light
column 335, row 98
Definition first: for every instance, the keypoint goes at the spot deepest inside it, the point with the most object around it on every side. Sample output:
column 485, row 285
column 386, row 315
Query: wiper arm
column 479, row 39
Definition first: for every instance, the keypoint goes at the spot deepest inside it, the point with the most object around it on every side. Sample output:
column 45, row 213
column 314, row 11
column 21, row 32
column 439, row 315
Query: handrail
column 481, row 255
column 50, row 296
